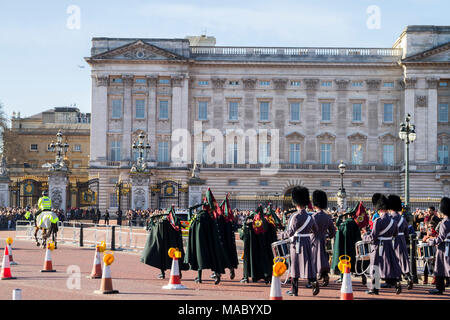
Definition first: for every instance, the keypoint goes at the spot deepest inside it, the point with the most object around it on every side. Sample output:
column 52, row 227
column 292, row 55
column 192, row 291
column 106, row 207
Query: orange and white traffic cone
column 6, row 270
column 9, row 242
column 175, row 281
column 97, row 267
column 48, row 267
column 106, row 286
column 275, row 289
column 346, row 288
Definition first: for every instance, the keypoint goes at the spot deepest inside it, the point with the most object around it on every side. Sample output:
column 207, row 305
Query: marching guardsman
column 442, row 243
column 395, row 208
column 165, row 233
column 325, row 228
column 205, row 247
column 300, row 227
column 382, row 255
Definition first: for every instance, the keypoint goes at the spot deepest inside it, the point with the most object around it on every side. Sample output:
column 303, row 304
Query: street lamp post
column 341, row 195
column 119, row 186
column 61, row 149
column 408, row 134
column 141, row 147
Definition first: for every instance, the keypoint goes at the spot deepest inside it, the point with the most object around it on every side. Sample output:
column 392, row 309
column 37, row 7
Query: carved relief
column 249, row 83
column 56, row 197
column 342, row 84
column 280, row 83
column 373, row 84
column 102, row 80
column 421, row 101
column 139, row 199
column 311, row 84
column 218, row 83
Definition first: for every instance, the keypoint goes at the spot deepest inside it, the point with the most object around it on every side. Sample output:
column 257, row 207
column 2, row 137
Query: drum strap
column 296, row 237
column 387, row 228
column 400, row 222
column 380, row 247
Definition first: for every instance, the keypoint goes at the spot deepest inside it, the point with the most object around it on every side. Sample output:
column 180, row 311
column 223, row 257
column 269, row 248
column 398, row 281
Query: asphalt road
column 137, row 281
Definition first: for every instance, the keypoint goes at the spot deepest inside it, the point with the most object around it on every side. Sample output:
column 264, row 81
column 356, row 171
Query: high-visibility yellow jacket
column 45, row 203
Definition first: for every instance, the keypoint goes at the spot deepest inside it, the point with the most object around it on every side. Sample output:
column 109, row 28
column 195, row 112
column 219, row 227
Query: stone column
column 152, row 114
column 372, row 148
column 99, row 119
column 57, row 189
column 340, row 115
column 140, row 191
column 180, row 115
column 127, row 116
column 432, row 109
column 312, row 120
column 4, row 191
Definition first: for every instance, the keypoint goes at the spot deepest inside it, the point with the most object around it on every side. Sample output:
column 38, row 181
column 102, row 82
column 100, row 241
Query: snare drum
column 281, row 248
column 362, row 250
column 425, row 251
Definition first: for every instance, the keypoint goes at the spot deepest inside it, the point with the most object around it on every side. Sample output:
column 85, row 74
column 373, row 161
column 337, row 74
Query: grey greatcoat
column 442, row 257
column 400, row 242
column 325, row 228
column 302, row 263
column 384, row 258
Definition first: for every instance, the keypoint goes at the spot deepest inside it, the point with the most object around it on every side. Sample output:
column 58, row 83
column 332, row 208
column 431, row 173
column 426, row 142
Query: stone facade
column 311, row 107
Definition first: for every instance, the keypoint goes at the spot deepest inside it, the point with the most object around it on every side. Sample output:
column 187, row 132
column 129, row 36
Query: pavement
column 137, row 281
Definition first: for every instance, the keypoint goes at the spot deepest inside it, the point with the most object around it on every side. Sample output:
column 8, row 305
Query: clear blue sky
column 40, row 55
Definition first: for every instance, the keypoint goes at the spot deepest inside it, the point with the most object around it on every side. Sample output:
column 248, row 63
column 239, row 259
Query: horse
column 46, row 233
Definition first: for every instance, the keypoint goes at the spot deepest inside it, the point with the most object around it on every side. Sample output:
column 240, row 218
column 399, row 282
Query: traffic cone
column 106, row 286
column 346, row 288
column 6, row 270
column 97, row 267
column 275, row 289
column 174, row 282
column 48, row 260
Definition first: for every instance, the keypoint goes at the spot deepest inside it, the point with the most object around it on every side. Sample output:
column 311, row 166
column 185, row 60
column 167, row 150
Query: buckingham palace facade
column 260, row 120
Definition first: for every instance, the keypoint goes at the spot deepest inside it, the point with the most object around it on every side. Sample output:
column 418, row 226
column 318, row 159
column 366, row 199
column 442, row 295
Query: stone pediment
column 326, row 136
column 357, row 136
column 294, row 134
column 439, row 54
column 138, row 50
column 387, row 136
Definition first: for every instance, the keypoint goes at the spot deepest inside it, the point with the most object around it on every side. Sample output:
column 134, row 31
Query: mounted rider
column 45, row 216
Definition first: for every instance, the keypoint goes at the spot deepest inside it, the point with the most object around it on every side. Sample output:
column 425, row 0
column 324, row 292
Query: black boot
column 363, row 279
column 410, row 281
column 162, row 275
column 373, row 291
column 294, row 288
column 213, row 275
column 398, row 287
column 232, row 275
column 244, row 280
column 217, row 278
column 326, row 279
column 267, row 279
column 198, row 279
column 315, row 287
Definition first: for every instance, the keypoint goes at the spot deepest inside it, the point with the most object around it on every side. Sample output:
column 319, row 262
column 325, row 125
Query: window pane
column 357, row 111
column 140, row 109
column 388, row 154
column 264, row 111
column 116, row 109
column 357, row 155
column 163, row 152
column 233, row 110
column 115, row 150
column 443, row 112
column 295, row 111
column 325, row 153
column 443, row 154
column 326, row 111
column 163, row 109
column 388, row 112
column 294, row 153
column 202, row 110
column 264, row 153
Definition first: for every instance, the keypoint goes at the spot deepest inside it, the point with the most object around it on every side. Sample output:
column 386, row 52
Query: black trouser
column 440, row 283
column 294, row 283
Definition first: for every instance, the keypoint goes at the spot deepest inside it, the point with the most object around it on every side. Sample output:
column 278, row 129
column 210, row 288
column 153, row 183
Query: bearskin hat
column 300, row 196
column 319, row 199
column 445, row 206
column 394, row 203
column 382, row 203
column 375, row 198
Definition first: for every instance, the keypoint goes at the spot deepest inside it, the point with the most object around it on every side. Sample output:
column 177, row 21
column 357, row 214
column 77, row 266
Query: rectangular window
column 232, row 182
column 202, row 110
column 264, row 83
column 443, row 112
column 443, row 154
column 116, row 80
column 356, row 184
column 294, row 153
column 325, row 153
column 33, row 147
column 201, row 152
column 388, row 154
column 357, row 154
column 76, row 164
column 115, row 150
column 388, row 84
column 264, row 153
column 263, row 183
column 357, row 110
column 203, row 83
column 163, row 109
column 295, row 111
column 140, row 80
column 388, row 114
column 295, row 83
column 232, row 153
column 325, row 183
column 77, row 148
column 326, row 111
column 233, row 83
column 357, row 84
column 387, row 184
column 140, row 109
column 325, row 84
column 163, row 151
column 164, row 81
column 116, row 112
column 113, row 200
column 233, row 110
column 264, row 111
column 443, row 84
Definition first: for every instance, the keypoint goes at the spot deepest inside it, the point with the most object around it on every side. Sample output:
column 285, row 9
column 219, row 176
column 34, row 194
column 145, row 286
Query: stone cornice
column 249, row 83
column 218, row 83
column 280, row 83
column 177, row 81
column 101, row 80
column 311, row 84
column 342, row 84
column 373, row 84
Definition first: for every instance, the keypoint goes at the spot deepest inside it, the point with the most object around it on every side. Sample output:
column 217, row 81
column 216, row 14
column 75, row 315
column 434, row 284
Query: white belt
column 380, row 248
column 401, row 234
column 304, row 235
column 384, row 238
